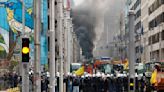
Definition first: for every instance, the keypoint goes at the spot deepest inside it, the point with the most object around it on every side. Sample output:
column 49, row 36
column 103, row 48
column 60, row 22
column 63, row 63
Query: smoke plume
column 86, row 20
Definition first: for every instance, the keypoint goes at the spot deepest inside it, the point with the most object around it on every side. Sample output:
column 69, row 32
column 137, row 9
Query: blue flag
column 142, row 30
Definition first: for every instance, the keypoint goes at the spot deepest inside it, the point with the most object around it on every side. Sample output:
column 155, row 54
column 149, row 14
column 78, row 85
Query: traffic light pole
column 24, row 65
column 131, row 52
column 25, row 77
column 37, row 29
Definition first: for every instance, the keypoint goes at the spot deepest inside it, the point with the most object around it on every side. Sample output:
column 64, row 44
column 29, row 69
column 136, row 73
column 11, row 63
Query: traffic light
column 131, row 84
column 25, row 49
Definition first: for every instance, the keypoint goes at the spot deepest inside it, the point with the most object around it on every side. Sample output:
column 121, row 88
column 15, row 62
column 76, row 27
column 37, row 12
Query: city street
column 81, row 46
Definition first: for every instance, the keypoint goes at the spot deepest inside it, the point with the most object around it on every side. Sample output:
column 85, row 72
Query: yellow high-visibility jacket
column 153, row 79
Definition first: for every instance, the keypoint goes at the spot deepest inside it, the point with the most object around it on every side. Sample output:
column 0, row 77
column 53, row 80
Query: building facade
column 70, row 45
column 144, row 39
column 149, row 29
column 156, row 32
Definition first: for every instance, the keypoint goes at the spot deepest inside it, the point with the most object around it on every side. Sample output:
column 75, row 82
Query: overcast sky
column 77, row 2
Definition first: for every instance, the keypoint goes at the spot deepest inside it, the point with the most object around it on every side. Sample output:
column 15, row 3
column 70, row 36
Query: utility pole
column 60, row 29
column 25, row 65
column 37, row 28
column 52, row 45
column 131, row 52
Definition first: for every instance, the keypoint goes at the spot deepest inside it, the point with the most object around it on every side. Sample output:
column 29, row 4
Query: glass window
column 149, row 40
column 162, row 1
column 155, row 22
column 48, row 21
column 163, row 35
column 155, row 5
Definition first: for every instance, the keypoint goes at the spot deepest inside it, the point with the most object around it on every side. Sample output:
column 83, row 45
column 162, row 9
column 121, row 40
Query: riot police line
column 99, row 83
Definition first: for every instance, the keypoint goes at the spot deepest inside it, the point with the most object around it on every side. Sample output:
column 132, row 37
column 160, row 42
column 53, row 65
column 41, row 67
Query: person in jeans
column 76, row 84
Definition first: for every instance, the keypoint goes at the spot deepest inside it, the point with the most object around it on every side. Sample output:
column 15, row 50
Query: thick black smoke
column 84, row 24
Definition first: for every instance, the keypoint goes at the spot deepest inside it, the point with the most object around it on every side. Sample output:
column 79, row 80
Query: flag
column 142, row 30
column 80, row 71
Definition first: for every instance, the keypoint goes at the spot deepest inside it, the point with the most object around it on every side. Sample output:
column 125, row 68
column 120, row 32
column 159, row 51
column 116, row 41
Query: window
column 138, row 14
column 150, row 9
column 48, row 43
column 48, row 2
column 155, row 6
column 162, row 35
column 137, row 49
column 137, row 4
column 48, row 22
column 155, row 38
column 138, row 25
column 155, row 22
column 149, row 40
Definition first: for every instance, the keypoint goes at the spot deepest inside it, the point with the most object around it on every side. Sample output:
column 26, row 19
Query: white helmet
column 136, row 75
column 103, row 75
column 82, row 76
column 108, row 75
column 74, row 75
column 58, row 74
column 98, row 74
column 68, row 74
column 94, row 75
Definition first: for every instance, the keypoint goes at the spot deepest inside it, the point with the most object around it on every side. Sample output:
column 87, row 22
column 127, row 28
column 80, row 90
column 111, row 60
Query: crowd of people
column 73, row 83
column 9, row 80
column 104, row 83
column 95, row 84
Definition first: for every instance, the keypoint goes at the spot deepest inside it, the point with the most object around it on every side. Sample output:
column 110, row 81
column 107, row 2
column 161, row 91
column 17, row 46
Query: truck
column 75, row 66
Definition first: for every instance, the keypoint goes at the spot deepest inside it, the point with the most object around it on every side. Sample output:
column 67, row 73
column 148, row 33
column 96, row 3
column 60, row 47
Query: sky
column 77, row 2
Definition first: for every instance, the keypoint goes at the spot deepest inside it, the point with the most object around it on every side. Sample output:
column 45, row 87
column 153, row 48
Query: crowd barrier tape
column 16, row 89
